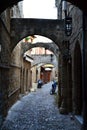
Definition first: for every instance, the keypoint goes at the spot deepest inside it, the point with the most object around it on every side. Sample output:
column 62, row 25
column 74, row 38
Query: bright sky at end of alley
column 39, row 9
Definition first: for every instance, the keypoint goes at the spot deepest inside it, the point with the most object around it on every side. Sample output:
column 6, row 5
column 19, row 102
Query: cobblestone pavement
column 38, row 111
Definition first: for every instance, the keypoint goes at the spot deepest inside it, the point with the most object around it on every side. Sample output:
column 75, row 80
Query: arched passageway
column 20, row 73
column 56, row 37
column 52, row 29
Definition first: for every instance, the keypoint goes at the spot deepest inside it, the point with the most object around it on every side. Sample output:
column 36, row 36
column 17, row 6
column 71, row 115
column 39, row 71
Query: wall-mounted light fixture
column 68, row 19
column 68, row 25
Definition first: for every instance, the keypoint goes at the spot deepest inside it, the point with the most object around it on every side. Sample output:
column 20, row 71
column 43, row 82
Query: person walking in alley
column 53, row 87
column 39, row 83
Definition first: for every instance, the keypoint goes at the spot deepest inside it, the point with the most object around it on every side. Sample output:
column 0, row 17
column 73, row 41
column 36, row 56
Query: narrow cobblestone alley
column 38, row 111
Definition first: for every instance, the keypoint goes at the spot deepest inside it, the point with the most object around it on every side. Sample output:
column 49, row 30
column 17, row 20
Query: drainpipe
column 84, row 126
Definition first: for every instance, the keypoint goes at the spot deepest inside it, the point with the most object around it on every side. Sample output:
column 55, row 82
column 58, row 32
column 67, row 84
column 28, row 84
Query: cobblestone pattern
column 38, row 111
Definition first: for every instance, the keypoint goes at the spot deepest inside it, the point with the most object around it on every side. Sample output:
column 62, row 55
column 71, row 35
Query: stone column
column 84, row 71
column 69, row 86
column 59, row 80
column 63, row 108
column 22, row 81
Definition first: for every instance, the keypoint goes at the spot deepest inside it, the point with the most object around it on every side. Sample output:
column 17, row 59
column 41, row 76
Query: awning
column 48, row 66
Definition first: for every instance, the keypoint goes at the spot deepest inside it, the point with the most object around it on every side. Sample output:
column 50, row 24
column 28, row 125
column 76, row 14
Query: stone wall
column 76, row 59
column 70, row 62
column 26, row 81
column 14, row 74
column 48, row 58
column 17, row 11
column 6, row 69
column 4, row 62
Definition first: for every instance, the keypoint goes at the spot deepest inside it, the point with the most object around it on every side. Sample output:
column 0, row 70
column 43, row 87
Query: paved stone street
column 38, row 111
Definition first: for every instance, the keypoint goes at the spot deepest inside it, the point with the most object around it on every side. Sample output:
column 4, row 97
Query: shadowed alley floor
column 38, row 111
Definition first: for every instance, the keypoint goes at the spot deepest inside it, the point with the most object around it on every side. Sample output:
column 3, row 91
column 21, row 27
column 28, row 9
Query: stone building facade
column 72, row 58
column 14, row 68
column 72, row 86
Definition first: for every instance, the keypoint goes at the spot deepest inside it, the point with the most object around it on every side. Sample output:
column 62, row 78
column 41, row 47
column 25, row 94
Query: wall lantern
column 68, row 26
column 68, row 20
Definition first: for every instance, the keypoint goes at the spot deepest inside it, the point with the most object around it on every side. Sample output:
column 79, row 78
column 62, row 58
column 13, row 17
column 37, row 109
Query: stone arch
column 77, row 86
column 21, row 28
column 50, row 46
